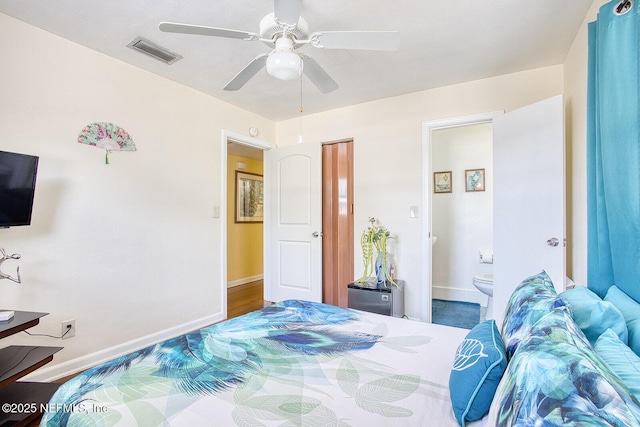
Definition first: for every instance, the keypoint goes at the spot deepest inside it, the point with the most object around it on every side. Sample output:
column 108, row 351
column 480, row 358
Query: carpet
column 460, row 314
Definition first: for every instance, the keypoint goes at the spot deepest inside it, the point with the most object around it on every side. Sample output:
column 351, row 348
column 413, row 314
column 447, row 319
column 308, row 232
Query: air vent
column 156, row 51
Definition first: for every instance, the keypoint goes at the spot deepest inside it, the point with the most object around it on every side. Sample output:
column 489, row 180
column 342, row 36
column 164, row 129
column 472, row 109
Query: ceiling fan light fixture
column 283, row 64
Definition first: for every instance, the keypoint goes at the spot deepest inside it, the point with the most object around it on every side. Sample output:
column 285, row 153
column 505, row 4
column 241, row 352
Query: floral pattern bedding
column 294, row 363
column 556, row 379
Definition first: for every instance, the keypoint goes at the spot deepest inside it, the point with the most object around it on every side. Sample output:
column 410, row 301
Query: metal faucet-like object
column 3, row 259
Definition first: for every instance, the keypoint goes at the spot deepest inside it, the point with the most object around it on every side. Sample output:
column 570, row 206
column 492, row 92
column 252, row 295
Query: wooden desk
column 22, row 401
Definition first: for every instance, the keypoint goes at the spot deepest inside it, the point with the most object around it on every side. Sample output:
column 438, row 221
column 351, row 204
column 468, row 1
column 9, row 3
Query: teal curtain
column 613, row 150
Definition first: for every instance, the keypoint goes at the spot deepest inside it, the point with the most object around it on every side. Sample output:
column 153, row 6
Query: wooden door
column 337, row 221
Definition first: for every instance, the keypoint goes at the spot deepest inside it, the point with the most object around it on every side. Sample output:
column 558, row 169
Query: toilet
column 484, row 283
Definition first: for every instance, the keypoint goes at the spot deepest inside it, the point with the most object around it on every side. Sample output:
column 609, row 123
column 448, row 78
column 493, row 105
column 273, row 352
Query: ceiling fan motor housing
column 270, row 29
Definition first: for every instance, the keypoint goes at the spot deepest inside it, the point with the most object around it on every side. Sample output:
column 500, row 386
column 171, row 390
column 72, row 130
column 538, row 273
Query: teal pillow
column 622, row 361
column 593, row 315
column 631, row 311
column 533, row 298
column 478, row 366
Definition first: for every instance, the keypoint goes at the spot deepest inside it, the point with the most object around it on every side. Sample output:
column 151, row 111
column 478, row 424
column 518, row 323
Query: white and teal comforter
column 295, row 363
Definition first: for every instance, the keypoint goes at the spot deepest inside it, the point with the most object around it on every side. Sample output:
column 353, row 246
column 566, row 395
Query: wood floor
column 245, row 298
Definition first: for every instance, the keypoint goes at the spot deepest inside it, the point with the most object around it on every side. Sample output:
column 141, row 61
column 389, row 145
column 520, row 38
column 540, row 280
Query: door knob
column 553, row 242
column 316, row 234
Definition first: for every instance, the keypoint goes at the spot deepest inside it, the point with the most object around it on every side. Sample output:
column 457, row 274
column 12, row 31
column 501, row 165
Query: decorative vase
column 381, row 268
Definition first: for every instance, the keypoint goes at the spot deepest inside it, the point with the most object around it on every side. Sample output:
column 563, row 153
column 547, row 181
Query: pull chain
column 301, row 111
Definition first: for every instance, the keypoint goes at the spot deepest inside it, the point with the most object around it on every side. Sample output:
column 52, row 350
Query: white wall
column 126, row 249
column 463, row 221
column 387, row 152
column 96, row 227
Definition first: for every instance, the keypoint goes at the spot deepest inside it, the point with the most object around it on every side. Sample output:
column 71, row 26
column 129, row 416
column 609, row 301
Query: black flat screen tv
column 17, row 188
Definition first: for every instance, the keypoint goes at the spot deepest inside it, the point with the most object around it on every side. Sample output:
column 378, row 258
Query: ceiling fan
column 286, row 31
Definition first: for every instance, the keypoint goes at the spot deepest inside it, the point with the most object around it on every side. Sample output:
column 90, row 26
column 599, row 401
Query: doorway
column 462, row 219
column 340, row 172
column 249, row 152
column 528, row 199
column 430, row 238
column 245, row 237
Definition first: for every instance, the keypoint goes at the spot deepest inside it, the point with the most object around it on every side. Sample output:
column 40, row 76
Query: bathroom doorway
column 529, row 198
column 462, row 214
column 459, row 144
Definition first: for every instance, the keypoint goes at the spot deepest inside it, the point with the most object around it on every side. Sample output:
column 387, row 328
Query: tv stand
column 22, row 402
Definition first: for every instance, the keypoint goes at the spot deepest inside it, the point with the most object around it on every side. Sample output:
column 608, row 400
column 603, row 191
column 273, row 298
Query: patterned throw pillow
column 556, row 379
column 479, row 364
column 534, row 297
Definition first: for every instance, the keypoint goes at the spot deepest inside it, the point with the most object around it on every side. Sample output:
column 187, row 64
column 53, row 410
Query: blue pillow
column 631, row 311
column 622, row 361
column 593, row 315
column 479, row 364
column 533, row 298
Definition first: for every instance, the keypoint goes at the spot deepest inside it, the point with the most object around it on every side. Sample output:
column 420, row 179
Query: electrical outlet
column 68, row 329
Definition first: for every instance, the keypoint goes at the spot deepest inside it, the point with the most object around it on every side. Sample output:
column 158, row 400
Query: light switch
column 216, row 211
column 413, row 211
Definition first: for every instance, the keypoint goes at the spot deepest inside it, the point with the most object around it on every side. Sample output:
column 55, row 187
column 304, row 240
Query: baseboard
column 244, row 281
column 74, row 366
column 458, row 294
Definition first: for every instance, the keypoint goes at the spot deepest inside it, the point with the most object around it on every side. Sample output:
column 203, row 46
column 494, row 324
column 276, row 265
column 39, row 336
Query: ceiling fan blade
column 172, row 27
column 247, row 72
column 366, row 40
column 318, row 75
column 287, row 11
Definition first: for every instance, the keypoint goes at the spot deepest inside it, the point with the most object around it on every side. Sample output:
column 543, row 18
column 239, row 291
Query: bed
column 293, row 363
column 557, row 360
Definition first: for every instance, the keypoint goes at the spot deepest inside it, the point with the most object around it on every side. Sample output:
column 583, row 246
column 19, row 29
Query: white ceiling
column 441, row 43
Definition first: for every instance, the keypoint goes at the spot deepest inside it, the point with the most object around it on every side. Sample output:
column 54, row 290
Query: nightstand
column 376, row 299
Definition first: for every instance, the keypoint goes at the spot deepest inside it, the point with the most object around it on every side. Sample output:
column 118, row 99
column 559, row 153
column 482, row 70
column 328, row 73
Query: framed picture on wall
column 249, row 197
column 442, row 182
column 474, row 179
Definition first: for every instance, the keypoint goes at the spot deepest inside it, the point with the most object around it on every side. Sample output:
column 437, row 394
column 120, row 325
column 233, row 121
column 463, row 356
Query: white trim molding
column 244, row 281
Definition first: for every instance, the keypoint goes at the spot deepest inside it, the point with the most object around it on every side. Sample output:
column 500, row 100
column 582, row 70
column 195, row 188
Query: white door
column 529, row 198
column 293, row 260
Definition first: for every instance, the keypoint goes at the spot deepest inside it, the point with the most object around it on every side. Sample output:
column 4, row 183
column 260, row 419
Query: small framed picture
column 442, row 182
column 474, row 179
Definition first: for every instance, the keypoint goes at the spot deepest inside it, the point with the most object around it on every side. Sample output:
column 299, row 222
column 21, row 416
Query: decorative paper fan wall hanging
column 107, row 136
